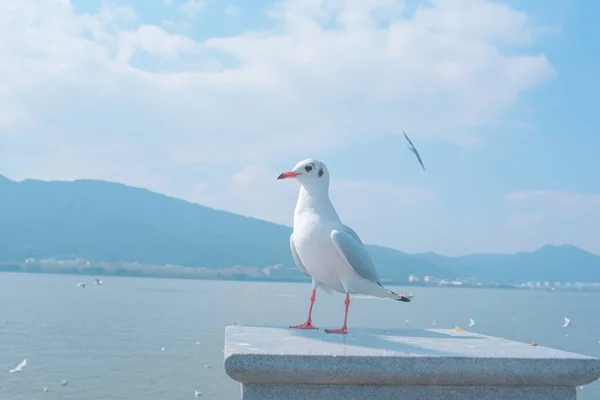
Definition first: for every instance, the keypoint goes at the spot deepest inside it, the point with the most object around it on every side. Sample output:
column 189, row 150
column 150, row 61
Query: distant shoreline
column 243, row 279
column 229, row 275
column 189, row 273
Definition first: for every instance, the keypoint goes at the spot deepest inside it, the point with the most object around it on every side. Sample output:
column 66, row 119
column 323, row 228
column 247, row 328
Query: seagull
column 20, row 367
column 197, row 393
column 471, row 322
column 45, row 390
column 162, row 349
column 98, row 281
column 81, row 284
column 567, row 323
column 329, row 252
column 64, row 383
column 412, row 148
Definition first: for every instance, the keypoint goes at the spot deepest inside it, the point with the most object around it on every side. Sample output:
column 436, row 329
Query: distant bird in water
column 197, row 393
column 20, row 367
column 162, row 349
column 45, row 390
column 567, row 323
column 64, row 383
column 98, row 281
column 81, row 285
column 413, row 149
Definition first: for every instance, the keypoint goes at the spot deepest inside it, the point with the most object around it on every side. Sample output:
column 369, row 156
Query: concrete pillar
column 277, row 363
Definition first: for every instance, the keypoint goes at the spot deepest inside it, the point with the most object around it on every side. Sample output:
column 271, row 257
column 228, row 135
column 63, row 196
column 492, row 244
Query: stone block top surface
column 256, row 354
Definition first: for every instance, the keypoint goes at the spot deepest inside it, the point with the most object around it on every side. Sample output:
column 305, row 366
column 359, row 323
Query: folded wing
column 352, row 251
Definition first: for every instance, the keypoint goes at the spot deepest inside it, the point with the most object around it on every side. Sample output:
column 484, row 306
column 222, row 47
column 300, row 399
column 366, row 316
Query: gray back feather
column 350, row 247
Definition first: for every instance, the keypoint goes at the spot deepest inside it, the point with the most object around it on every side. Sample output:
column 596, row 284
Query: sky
column 210, row 100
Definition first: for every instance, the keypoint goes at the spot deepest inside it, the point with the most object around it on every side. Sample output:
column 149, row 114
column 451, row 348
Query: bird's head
column 308, row 172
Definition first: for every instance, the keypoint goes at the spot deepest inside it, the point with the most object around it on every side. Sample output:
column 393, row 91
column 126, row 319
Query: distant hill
column 549, row 263
column 104, row 221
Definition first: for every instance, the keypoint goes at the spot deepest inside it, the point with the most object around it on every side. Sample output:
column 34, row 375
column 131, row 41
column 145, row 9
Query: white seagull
column 471, row 322
column 325, row 249
column 98, row 281
column 81, row 284
column 413, row 150
column 20, row 367
column 567, row 323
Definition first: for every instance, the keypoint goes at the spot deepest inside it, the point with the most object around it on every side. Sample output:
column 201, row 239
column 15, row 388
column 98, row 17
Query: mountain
column 548, row 263
column 104, row 221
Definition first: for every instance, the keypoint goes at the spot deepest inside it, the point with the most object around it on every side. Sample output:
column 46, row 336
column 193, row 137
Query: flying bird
column 567, row 323
column 98, row 281
column 20, row 367
column 329, row 252
column 471, row 322
column 413, row 149
column 81, row 285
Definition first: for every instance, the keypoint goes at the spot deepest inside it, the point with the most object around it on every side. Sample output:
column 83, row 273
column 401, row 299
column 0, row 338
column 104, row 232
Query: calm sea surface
column 106, row 340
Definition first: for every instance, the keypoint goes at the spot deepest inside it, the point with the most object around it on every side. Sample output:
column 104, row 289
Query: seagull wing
column 19, row 367
column 420, row 161
column 414, row 150
column 297, row 260
column 352, row 232
column 412, row 146
column 352, row 251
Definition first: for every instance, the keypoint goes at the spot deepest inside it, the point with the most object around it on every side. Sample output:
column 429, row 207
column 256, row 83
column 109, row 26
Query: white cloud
column 543, row 216
column 303, row 85
column 191, row 7
column 231, row 9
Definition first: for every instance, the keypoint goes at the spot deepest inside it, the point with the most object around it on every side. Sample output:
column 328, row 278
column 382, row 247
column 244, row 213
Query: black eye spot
column 320, row 172
column 308, row 168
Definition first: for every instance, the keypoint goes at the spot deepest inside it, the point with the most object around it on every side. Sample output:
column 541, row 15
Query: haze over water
column 106, row 340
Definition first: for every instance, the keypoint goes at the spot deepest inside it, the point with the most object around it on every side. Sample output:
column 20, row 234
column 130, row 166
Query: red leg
column 308, row 324
column 344, row 328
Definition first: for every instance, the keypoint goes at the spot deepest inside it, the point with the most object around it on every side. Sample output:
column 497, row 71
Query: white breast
column 312, row 238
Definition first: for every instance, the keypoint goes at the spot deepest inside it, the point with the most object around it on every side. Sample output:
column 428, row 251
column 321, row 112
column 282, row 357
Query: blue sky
column 210, row 100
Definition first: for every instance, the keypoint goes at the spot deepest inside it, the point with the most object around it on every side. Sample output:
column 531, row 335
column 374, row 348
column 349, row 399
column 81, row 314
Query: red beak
column 286, row 175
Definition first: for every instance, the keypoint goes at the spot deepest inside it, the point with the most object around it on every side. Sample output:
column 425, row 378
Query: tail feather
column 398, row 297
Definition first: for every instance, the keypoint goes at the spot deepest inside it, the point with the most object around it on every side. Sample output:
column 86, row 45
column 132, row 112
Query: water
column 106, row 340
